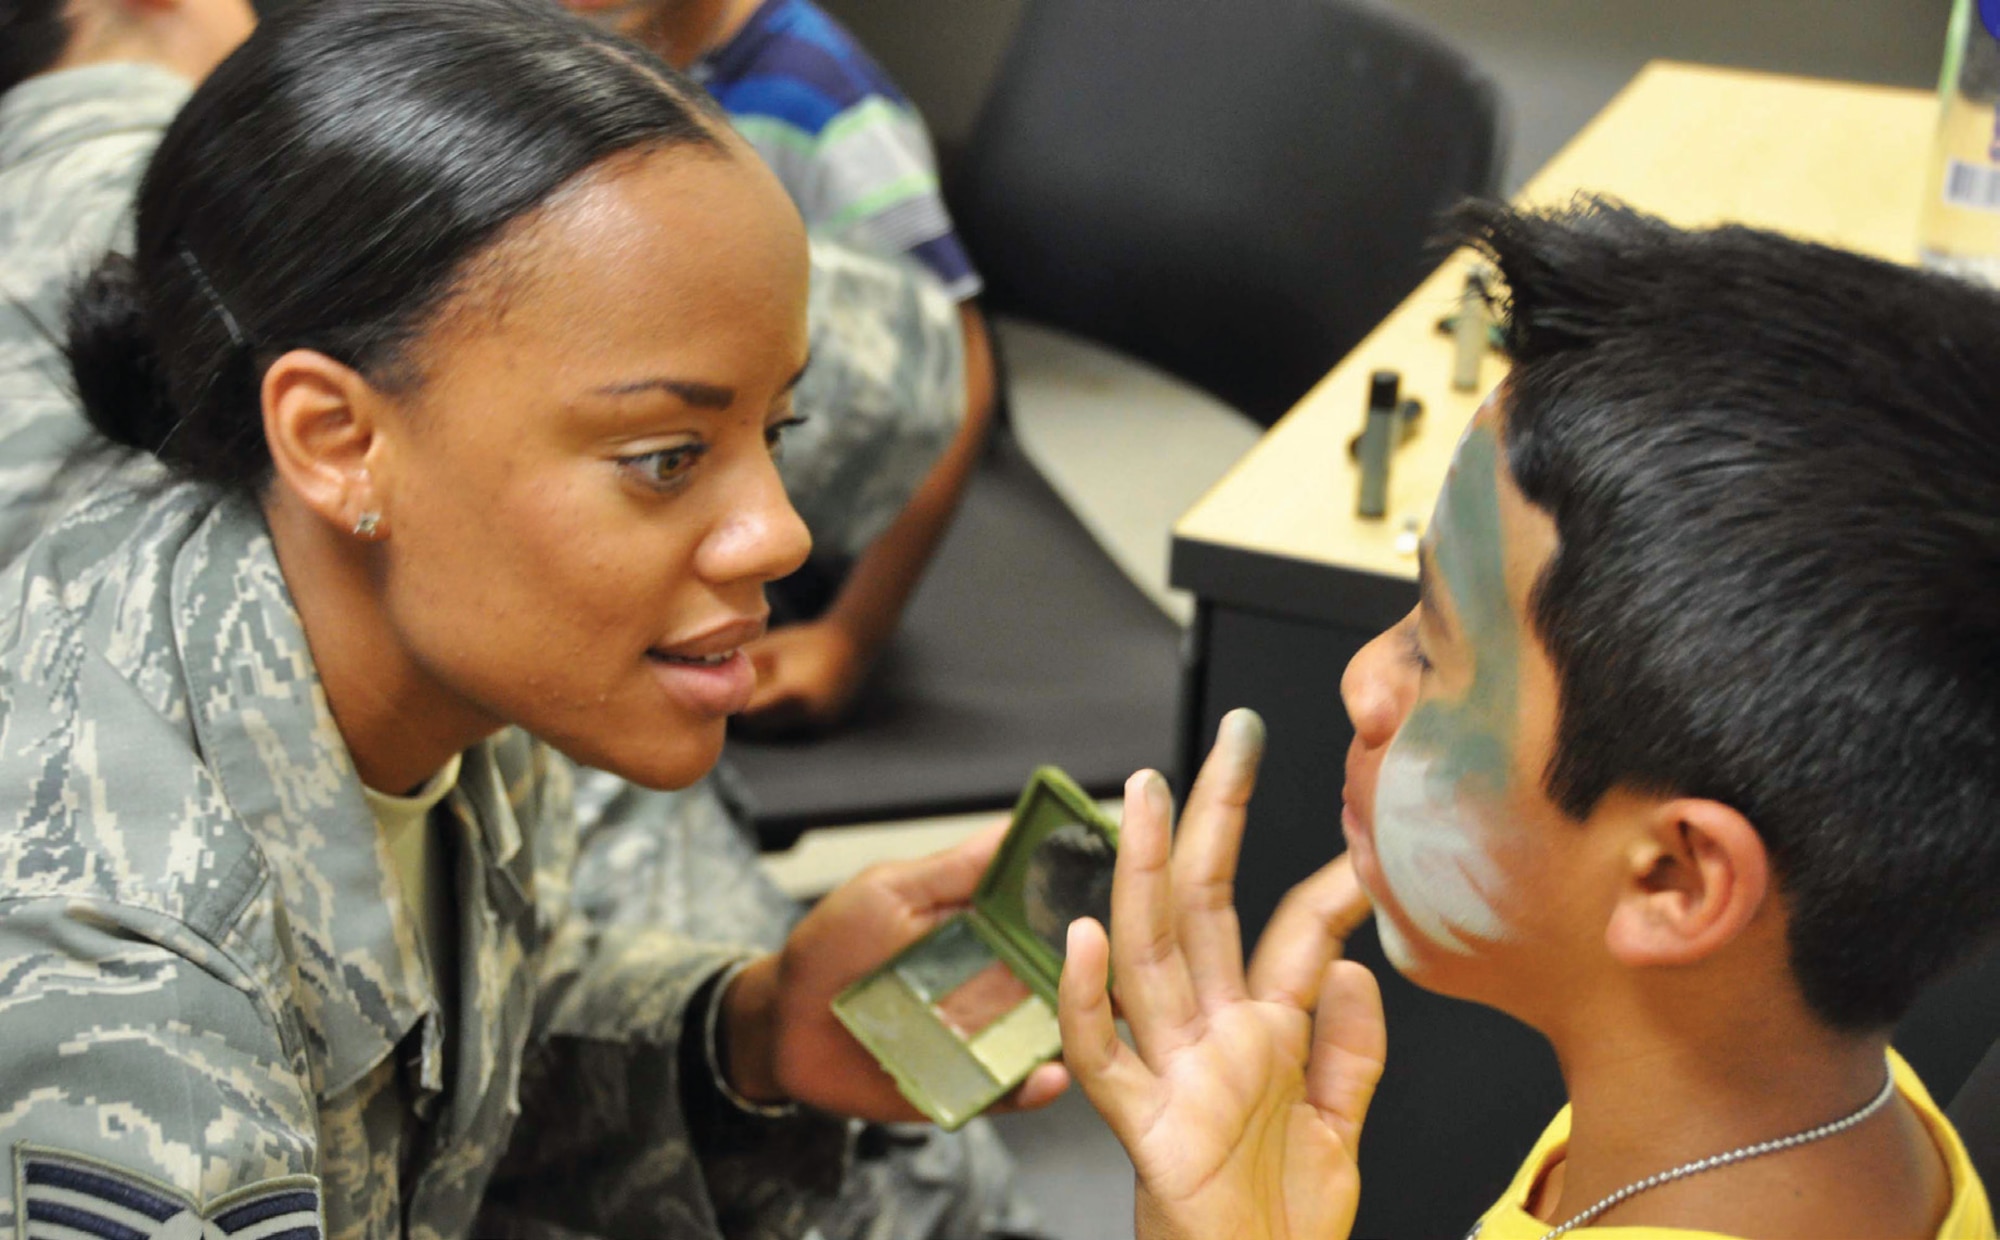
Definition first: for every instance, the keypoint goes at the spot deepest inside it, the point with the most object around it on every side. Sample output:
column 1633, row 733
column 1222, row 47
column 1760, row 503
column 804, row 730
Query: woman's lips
column 708, row 686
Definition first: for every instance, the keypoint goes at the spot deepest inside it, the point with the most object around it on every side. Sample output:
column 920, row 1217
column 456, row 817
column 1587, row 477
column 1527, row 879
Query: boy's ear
column 1696, row 876
column 321, row 422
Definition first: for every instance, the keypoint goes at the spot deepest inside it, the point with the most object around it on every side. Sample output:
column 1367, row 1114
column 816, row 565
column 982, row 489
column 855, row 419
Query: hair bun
column 113, row 359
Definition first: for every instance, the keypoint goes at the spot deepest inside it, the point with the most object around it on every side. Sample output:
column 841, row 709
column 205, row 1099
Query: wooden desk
column 1290, row 582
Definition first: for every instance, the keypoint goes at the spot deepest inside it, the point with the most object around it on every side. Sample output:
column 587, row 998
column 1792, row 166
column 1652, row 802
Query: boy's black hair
column 33, row 34
column 1774, row 470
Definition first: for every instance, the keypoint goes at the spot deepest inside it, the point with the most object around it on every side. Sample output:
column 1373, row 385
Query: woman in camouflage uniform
column 467, row 333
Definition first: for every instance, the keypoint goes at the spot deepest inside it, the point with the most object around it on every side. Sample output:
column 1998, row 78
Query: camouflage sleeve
column 139, row 1082
column 883, row 395
column 57, row 218
column 609, row 1110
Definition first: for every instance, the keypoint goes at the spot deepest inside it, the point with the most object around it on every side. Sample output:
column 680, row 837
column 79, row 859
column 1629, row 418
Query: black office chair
column 1952, row 1038
column 1975, row 1112
column 1234, row 192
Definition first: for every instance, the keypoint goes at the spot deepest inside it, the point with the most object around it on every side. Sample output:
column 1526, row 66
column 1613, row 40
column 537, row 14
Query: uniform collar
column 58, row 111
column 262, row 721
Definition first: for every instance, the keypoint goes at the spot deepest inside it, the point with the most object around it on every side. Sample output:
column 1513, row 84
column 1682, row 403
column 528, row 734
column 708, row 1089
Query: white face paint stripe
column 1435, row 857
column 1450, row 760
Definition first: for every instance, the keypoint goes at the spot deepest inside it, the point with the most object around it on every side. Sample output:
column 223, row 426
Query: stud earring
column 366, row 524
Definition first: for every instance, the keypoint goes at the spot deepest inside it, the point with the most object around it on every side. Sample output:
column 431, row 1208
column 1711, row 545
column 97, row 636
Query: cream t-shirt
column 419, row 859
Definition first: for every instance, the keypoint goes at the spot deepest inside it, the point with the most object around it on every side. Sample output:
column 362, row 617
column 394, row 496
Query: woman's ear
column 1696, row 876
column 321, row 420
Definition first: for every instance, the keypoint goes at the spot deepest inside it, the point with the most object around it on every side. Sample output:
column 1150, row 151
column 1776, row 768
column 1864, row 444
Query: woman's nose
column 763, row 538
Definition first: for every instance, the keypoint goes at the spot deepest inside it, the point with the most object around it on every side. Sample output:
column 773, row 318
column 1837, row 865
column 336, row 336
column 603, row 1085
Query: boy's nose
column 1370, row 692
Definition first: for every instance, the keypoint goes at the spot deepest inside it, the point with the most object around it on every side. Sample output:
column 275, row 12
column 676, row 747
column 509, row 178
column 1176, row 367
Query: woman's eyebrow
column 693, row 391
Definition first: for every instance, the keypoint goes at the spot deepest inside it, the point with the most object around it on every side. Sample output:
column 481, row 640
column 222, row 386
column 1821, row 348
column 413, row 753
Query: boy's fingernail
column 1069, row 937
column 1158, row 795
column 1245, row 731
column 1136, row 783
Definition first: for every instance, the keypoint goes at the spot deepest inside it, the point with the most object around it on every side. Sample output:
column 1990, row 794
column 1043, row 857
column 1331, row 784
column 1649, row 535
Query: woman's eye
column 774, row 434
column 664, row 467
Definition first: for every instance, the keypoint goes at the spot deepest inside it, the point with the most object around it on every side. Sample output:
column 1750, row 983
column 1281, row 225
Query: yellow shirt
column 1970, row 1217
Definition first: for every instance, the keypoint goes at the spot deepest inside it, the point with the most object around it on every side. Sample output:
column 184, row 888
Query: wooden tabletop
column 1829, row 161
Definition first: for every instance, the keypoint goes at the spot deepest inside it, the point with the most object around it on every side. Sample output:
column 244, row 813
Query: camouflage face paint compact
column 964, row 1014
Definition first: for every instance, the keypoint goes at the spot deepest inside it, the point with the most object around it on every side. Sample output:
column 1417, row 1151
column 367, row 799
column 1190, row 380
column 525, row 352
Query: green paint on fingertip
column 1245, row 730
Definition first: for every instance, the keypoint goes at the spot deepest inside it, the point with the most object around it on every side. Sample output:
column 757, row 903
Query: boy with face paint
column 1688, row 758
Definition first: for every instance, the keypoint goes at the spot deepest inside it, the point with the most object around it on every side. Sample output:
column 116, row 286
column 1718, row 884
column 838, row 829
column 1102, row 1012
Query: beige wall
column 1557, row 61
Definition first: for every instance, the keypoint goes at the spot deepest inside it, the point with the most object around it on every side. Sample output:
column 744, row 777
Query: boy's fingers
column 1117, row 1083
column 1205, row 856
column 1350, row 1045
column 1154, row 989
column 1308, row 931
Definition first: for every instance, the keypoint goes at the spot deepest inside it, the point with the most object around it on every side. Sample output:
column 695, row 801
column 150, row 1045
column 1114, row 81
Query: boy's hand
column 1241, row 1112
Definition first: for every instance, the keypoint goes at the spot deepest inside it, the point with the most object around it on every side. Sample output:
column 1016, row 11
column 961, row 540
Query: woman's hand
column 782, row 1038
column 1241, row 1112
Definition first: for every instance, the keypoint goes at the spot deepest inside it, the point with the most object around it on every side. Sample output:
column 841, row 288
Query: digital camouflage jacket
column 212, row 1003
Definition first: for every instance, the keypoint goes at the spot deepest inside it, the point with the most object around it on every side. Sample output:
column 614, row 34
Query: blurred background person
column 86, row 89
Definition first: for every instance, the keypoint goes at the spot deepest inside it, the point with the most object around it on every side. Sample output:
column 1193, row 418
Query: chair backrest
column 1975, row 1112
column 1233, row 190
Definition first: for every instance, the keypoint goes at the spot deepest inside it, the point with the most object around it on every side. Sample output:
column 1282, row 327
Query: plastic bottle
column 1960, row 229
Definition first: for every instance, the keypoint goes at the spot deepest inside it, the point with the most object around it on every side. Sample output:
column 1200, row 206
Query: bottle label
column 1972, row 185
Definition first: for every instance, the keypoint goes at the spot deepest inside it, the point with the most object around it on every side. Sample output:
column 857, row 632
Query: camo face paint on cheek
column 1447, row 769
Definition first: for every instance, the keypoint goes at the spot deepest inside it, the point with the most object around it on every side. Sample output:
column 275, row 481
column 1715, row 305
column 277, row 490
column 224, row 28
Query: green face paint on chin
column 1450, row 763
